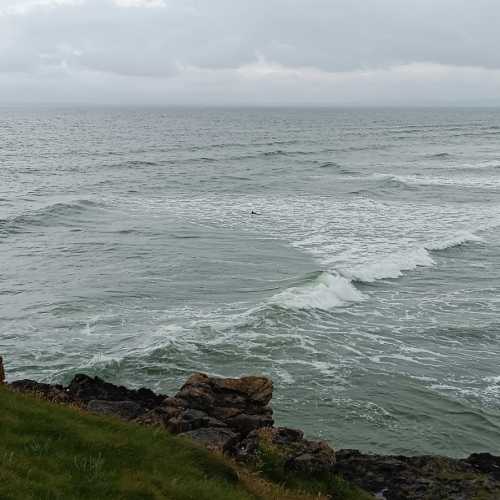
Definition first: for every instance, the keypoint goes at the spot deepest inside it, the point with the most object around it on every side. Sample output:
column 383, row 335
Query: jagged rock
column 422, row 477
column 485, row 463
column 296, row 453
column 203, row 391
column 219, row 439
column 245, row 423
column 190, row 420
column 126, row 410
column 55, row 393
column 232, row 416
column 2, row 372
column 239, row 403
column 84, row 389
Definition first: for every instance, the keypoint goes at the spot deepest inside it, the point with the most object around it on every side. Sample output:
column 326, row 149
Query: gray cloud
column 235, row 44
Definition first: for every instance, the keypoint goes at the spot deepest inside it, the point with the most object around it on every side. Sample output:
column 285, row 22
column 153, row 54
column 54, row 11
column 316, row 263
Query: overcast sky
column 337, row 52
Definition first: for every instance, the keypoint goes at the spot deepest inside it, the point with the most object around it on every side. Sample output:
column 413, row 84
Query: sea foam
column 325, row 291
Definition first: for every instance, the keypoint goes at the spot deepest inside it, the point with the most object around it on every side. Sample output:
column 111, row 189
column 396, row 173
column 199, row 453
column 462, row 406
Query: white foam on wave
column 326, row 292
column 457, row 240
column 395, row 264
column 390, row 266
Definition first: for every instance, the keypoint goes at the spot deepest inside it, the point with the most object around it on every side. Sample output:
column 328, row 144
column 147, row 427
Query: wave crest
column 324, row 291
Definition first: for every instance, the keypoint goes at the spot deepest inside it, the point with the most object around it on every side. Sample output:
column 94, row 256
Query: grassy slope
column 55, row 452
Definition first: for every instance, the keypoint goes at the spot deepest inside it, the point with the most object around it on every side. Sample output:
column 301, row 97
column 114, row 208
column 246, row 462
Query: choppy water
column 366, row 284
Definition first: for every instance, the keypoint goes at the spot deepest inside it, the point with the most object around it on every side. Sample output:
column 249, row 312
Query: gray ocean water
column 366, row 283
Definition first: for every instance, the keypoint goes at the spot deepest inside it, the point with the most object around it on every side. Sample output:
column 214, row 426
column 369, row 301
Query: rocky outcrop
column 290, row 448
column 233, row 416
column 84, row 389
column 240, row 404
column 422, row 477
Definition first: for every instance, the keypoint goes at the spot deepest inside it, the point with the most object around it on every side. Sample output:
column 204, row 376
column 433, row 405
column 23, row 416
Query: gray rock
column 190, row 420
column 126, row 410
column 422, row 477
column 214, row 438
column 245, row 423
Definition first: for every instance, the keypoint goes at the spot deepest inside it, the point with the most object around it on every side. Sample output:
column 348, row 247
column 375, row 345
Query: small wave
column 337, row 167
column 383, row 183
column 329, row 164
column 455, row 241
column 324, row 291
column 141, row 163
column 439, row 156
column 45, row 215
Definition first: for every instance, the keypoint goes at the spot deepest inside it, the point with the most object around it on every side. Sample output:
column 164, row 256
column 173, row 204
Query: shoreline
column 232, row 416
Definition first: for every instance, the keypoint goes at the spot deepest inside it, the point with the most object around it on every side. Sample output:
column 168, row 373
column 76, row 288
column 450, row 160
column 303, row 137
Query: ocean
column 353, row 255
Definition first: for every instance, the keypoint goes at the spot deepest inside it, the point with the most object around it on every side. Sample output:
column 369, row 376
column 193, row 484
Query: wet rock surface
column 233, row 416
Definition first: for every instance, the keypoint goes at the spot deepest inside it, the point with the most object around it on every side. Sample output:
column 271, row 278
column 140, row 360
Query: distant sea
column 352, row 255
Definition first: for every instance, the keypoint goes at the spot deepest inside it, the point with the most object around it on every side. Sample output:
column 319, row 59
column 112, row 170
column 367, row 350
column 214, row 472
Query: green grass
column 52, row 452
column 49, row 451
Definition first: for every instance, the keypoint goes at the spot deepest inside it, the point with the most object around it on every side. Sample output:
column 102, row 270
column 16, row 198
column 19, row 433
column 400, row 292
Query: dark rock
column 190, row 420
column 423, row 477
column 55, row 393
column 245, row 423
column 485, row 464
column 315, row 457
column 2, row 372
column 84, row 389
column 246, row 450
column 285, row 436
column 214, row 438
column 296, row 453
column 126, row 410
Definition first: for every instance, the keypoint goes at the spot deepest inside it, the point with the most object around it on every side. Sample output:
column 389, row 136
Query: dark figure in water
column 254, row 213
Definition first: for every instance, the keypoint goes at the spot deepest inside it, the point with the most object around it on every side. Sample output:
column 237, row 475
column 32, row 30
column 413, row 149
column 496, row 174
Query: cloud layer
column 250, row 51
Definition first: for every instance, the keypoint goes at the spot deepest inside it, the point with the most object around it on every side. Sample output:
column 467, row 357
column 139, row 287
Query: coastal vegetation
column 50, row 451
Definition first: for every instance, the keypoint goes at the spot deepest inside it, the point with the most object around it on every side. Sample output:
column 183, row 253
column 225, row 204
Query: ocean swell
column 45, row 216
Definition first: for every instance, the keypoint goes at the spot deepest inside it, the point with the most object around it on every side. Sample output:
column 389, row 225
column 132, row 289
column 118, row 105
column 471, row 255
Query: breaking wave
column 395, row 264
column 322, row 291
column 328, row 290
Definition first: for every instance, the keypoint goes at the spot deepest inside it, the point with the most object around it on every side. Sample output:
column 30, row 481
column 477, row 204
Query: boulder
column 203, row 391
column 190, row 419
column 485, row 463
column 126, row 410
column 241, row 403
column 289, row 446
column 217, row 439
column 83, row 389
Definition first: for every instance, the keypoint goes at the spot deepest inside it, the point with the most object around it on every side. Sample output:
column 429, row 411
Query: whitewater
column 351, row 255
